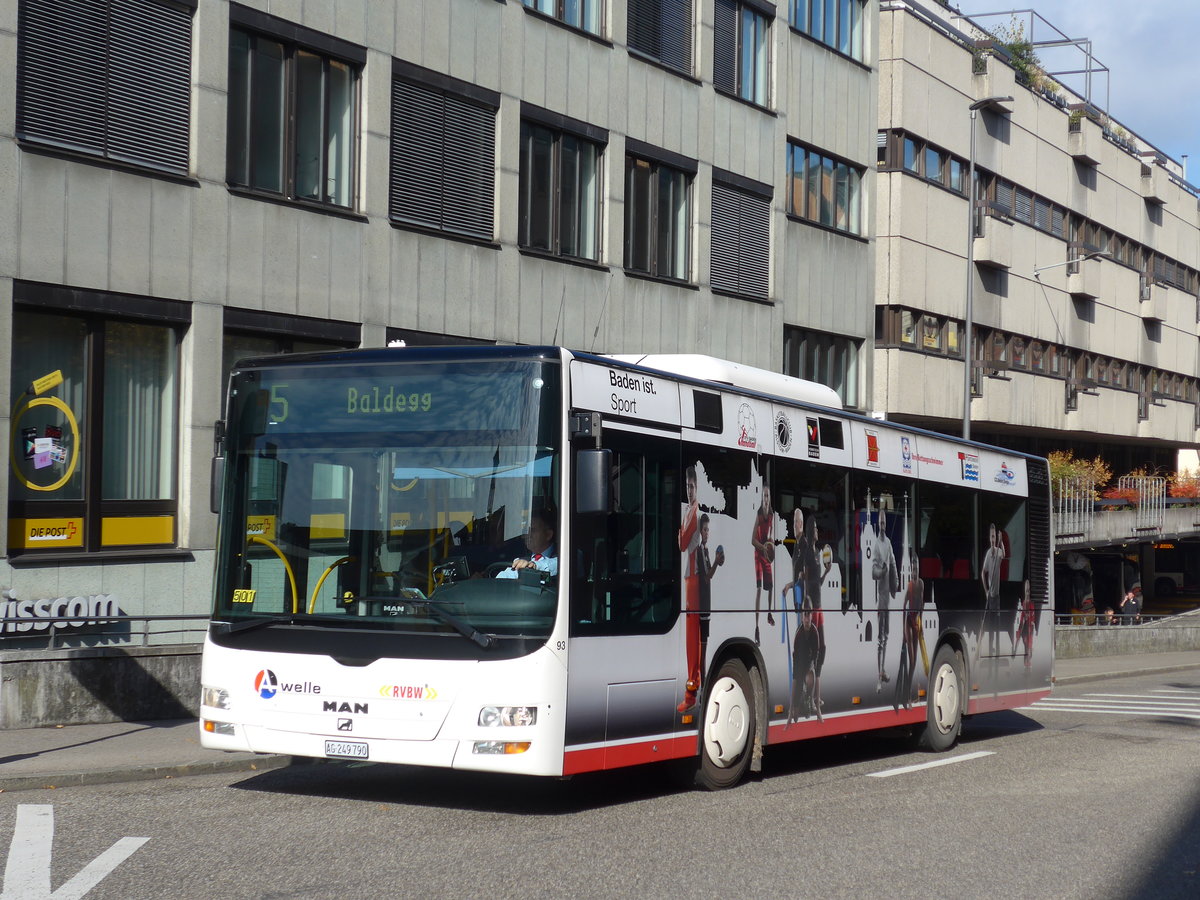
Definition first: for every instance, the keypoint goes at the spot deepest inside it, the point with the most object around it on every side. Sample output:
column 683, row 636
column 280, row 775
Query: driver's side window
column 628, row 580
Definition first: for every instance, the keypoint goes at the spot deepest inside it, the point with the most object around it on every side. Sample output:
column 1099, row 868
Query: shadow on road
column 523, row 795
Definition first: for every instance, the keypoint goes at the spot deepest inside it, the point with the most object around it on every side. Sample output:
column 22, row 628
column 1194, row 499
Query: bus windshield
column 391, row 497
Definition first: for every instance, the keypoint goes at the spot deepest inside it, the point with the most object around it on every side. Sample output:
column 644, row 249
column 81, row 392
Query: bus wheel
column 727, row 732
column 944, row 707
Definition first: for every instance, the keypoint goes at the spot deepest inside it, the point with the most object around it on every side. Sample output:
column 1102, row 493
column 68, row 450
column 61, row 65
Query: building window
column 933, row 164
column 741, row 51
column 1019, row 356
column 109, row 78
column 931, row 334
column 443, row 165
column 657, row 218
column 826, row 358
column 741, row 237
column 560, row 190
column 1037, row 356
column 662, row 30
column 250, row 332
column 95, row 400
column 835, row 23
column 581, row 14
column 825, row 190
column 292, row 111
column 956, row 175
column 952, row 329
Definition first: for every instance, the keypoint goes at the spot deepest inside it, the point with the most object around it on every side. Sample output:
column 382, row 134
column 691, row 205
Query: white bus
column 537, row 561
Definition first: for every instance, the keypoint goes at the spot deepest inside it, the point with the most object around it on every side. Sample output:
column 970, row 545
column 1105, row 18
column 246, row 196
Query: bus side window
column 628, row 578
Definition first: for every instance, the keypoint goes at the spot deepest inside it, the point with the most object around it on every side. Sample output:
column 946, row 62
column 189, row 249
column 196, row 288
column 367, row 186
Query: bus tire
column 944, row 702
column 728, row 728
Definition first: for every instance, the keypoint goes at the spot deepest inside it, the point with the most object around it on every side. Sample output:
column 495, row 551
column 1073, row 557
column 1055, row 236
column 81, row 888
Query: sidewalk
column 33, row 758
column 118, row 751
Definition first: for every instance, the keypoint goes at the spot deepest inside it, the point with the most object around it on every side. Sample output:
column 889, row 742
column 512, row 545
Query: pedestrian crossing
column 1177, row 703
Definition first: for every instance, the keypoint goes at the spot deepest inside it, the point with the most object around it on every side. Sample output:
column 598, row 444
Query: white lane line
column 1155, row 703
column 904, row 770
column 1121, row 711
column 27, row 873
column 1141, row 696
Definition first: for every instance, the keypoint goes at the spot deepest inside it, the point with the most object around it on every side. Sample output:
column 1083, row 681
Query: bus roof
column 722, row 371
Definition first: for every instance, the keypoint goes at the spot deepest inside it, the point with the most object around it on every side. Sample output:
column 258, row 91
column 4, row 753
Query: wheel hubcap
column 944, row 699
column 726, row 722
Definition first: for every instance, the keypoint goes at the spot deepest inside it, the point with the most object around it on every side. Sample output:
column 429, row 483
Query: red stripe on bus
column 618, row 756
column 811, row 728
column 982, row 704
column 596, row 759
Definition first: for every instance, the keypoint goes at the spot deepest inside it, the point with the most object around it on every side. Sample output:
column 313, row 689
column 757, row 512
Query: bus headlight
column 217, row 698
column 519, row 716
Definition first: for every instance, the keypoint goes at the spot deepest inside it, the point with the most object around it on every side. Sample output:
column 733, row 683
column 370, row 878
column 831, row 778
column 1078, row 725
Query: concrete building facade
column 1085, row 246
column 184, row 182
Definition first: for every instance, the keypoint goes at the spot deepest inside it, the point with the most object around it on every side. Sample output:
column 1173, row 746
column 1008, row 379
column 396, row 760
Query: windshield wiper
column 466, row 629
column 249, row 624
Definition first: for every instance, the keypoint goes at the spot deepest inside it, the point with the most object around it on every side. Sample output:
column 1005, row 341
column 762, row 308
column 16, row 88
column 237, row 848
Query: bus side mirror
column 592, row 468
column 217, row 473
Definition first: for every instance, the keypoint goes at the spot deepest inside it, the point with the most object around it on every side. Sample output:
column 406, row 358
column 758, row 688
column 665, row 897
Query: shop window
column 95, row 422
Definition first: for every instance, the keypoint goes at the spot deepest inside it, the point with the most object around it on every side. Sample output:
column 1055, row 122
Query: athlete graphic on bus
column 913, row 638
column 763, row 542
column 886, row 580
column 811, row 565
column 989, row 578
column 1027, row 616
column 699, row 568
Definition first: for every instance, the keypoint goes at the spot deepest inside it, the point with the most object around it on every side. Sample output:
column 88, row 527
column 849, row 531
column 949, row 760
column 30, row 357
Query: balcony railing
column 1139, row 510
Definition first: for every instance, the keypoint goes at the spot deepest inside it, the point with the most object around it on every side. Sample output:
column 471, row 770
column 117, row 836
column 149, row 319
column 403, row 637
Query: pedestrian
column 1135, row 604
column 1129, row 605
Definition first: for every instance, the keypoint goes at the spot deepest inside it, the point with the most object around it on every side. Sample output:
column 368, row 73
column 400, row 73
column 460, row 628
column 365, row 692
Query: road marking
column 1153, row 703
column 27, row 872
column 904, row 770
column 1121, row 711
column 1140, row 696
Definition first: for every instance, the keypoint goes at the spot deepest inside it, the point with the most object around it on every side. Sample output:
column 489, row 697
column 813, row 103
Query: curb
column 119, row 775
column 1102, row 676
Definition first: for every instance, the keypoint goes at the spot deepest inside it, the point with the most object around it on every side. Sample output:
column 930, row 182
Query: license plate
column 347, row 749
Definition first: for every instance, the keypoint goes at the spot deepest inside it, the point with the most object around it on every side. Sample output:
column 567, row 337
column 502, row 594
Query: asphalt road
column 1092, row 794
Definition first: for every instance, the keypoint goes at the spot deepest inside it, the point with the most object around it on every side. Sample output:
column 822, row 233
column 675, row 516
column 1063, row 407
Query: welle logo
column 266, row 685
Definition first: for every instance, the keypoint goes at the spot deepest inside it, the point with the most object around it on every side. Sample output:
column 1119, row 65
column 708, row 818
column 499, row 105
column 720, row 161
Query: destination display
column 416, row 398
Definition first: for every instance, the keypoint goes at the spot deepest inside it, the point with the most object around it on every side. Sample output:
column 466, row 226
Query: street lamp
column 995, row 104
column 1095, row 254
